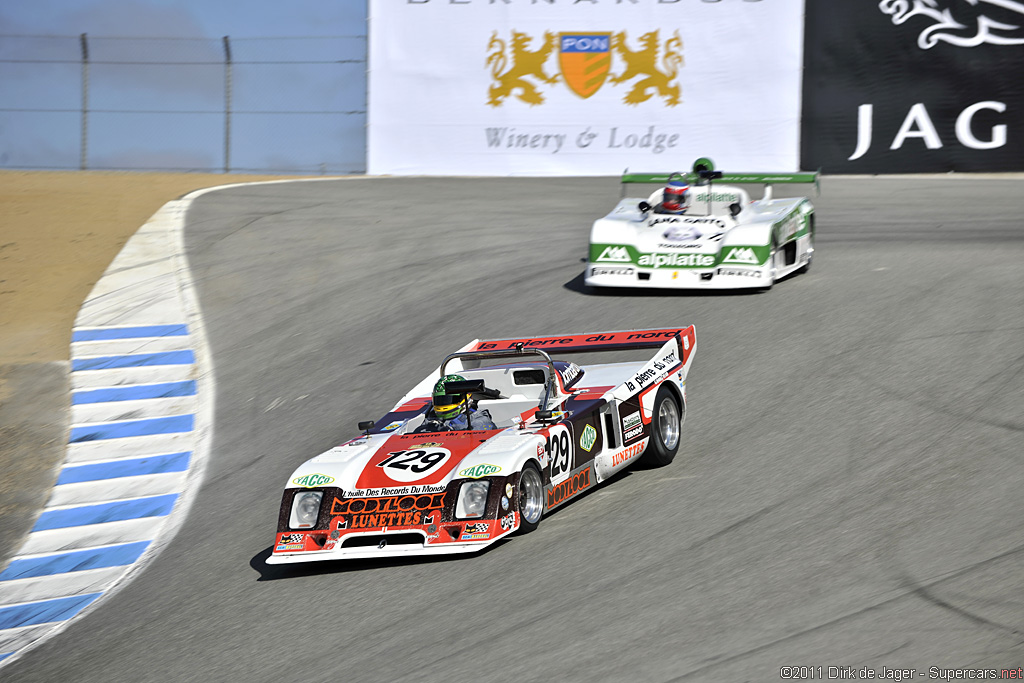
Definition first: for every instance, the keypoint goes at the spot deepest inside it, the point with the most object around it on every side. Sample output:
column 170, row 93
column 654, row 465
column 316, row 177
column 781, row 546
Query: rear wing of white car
column 703, row 172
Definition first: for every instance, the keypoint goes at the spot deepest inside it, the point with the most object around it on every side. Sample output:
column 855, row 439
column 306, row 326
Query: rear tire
column 666, row 430
column 530, row 498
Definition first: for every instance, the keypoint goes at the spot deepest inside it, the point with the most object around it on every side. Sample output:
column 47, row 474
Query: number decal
column 559, row 453
column 412, row 465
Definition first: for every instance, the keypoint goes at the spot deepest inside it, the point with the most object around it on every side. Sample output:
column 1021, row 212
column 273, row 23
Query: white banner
column 582, row 87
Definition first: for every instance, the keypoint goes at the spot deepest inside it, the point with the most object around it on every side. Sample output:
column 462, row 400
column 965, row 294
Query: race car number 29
column 559, row 453
column 413, row 465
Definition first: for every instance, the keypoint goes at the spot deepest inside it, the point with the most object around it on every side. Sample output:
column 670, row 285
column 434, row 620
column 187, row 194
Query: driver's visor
column 447, row 401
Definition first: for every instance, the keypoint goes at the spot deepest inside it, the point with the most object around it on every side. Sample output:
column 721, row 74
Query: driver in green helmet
column 448, row 412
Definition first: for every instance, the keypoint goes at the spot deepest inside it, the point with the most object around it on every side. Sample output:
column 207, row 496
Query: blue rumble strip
column 44, row 612
column 135, row 360
column 130, row 332
column 153, row 506
column 155, row 464
column 118, row 430
column 134, row 392
column 74, row 561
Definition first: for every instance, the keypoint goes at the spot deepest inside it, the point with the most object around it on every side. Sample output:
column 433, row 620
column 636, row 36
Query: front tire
column 530, row 499
column 666, row 430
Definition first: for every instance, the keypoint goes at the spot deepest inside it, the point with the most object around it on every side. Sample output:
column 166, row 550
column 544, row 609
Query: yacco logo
column 586, row 61
column 587, row 438
column 615, row 254
column 741, row 255
column 477, row 471
column 972, row 25
column 311, row 480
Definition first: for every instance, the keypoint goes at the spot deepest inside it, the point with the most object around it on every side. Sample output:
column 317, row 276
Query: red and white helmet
column 676, row 194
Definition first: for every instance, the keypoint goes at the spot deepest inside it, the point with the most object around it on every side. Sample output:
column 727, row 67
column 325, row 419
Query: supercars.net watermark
column 885, row 673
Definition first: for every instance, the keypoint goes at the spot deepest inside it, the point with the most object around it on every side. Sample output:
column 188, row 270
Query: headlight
column 472, row 499
column 305, row 509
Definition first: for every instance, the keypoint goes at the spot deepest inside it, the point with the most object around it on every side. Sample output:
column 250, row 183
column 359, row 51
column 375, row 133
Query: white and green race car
column 719, row 239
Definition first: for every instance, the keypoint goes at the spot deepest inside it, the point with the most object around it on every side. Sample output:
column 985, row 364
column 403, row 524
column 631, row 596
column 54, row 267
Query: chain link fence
column 268, row 105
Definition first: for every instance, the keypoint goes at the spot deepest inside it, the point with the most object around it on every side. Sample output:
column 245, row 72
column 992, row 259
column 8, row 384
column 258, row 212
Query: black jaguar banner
column 906, row 86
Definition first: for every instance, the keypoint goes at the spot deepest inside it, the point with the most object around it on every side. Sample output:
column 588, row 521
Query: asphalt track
column 848, row 493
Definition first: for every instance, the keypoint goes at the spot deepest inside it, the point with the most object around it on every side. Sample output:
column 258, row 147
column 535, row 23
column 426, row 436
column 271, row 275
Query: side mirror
column 734, row 209
column 644, row 207
column 543, row 415
column 366, row 425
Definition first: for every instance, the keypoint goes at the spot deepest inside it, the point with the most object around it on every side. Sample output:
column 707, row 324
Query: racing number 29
column 558, row 448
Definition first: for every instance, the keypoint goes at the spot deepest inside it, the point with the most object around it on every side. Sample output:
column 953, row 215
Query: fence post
column 83, row 162
column 227, row 105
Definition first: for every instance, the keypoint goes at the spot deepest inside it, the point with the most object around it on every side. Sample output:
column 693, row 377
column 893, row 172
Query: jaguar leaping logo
column 971, row 27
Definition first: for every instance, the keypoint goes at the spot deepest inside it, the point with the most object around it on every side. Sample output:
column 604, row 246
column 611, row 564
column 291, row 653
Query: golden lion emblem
column 644, row 62
column 524, row 63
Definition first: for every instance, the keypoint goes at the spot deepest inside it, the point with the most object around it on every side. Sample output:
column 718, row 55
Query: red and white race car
column 405, row 487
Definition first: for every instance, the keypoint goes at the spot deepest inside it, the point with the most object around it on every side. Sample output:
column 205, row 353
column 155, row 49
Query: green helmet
column 447, row 406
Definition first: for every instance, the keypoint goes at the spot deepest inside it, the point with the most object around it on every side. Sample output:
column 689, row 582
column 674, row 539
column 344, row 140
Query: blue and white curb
column 141, row 425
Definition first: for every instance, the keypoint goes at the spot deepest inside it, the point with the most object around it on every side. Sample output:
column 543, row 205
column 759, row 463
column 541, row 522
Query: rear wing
column 703, row 172
column 622, row 340
column 736, row 178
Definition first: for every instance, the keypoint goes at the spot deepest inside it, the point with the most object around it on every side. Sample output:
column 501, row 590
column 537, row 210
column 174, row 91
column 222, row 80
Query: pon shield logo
column 615, row 255
column 309, row 481
column 741, row 255
column 521, row 64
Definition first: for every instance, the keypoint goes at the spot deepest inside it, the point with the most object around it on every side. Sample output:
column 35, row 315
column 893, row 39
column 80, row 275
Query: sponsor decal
column 478, row 528
column 632, row 426
column 519, row 66
column 692, row 245
column 963, row 23
column 504, row 502
column 289, row 546
column 508, row 490
column 477, row 471
column 358, row 441
column 540, row 452
column 628, row 453
column 740, row 272
column 573, row 486
column 741, row 255
column 415, row 463
column 393, row 426
column 393, row 491
column 508, row 521
column 423, row 503
column 676, row 260
column 587, row 438
column 474, row 537
column 663, row 219
column 653, row 373
column 569, row 373
column 616, row 254
column 363, row 513
column 598, row 270
column 292, row 538
column 716, row 197
column 312, row 480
